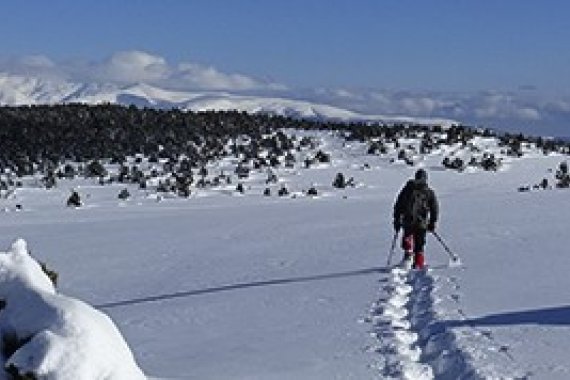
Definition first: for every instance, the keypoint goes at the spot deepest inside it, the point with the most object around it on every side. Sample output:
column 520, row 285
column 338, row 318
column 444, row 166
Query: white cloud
column 138, row 66
column 134, row 66
column 208, row 77
column 343, row 93
column 505, row 106
column 129, row 67
column 422, row 105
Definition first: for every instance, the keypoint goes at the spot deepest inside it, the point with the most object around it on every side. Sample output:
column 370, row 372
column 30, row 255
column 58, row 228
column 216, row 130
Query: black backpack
column 418, row 208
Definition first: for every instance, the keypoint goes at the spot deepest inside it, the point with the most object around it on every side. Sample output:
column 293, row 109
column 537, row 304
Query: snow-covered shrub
column 49, row 180
column 490, row 163
column 377, row 147
column 271, row 177
column 283, row 191
column 312, row 191
column 242, row 171
column 339, row 181
column 562, row 170
column 68, row 172
column 406, row 156
column 46, row 335
column 124, row 194
column 563, row 176
column 74, row 200
column 95, row 169
column 456, row 163
column 322, row 157
column 290, row 160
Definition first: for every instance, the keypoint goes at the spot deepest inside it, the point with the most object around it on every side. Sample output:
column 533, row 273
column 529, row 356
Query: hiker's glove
column 397, row 225
column 431, row 227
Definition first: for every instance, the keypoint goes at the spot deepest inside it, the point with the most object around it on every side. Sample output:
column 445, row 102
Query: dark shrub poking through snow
column 490, row 163
column 322, row 157
column 124, row 194
column 95, row 169
column 271, row 177
column 377, row 147
column 53, row 275
column 283, row 191
column 242, row 171
column 563, row 176
column 312, row 191
column 456, row 163
column 290, row 160
column 74, row 200
column 339, row 181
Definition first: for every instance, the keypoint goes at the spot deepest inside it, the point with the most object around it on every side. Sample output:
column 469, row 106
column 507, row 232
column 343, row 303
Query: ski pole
column 392, row 249
column 453, row 256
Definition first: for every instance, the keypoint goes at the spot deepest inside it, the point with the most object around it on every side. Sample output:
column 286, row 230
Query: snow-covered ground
column 230, row 286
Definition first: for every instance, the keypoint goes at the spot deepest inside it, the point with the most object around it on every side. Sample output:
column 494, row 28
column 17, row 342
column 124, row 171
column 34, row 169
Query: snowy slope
column 230, row 286
column 53, row 336
column 21, row 90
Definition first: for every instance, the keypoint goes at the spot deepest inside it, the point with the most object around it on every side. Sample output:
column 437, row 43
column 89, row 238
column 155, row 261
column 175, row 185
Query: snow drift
column 51, row 336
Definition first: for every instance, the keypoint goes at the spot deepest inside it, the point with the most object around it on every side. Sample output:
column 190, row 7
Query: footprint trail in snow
column 411, row 342
column 422, row 333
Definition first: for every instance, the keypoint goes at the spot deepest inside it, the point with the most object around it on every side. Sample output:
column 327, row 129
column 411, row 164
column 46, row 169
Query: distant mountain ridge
column 22, row 90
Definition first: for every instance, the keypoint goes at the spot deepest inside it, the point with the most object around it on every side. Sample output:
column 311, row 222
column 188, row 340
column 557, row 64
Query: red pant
column 414, row 240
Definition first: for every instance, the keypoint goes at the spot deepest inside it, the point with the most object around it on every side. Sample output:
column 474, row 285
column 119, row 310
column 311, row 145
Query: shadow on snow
column 556, row 316
column 245, row 285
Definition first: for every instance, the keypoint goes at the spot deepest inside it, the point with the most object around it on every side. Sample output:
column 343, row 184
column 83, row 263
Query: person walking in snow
column 416, row 210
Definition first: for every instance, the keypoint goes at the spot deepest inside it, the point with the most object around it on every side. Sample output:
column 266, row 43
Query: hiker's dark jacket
column 401, row 208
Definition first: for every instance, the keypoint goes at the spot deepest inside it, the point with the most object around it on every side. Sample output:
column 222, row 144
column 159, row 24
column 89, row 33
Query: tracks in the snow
column 411, row 342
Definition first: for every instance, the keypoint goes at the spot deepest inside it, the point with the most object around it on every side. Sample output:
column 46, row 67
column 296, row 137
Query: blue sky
column 510, row 53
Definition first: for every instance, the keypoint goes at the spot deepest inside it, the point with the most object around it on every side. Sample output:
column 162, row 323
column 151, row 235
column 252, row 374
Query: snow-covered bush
column 322, row 157
column 95, row 169
column 377, row 147
column 124, row 194
column 312, row 191
column 563, row 176
column 456, row 163
column 490, row 163
column 283, row 191
column 46, row 335
column 339, row 181
column 74, row 199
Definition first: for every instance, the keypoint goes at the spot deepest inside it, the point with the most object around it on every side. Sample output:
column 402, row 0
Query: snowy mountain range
column 29, row 90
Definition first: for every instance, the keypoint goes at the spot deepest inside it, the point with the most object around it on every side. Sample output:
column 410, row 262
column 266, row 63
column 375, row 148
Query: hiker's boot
column 407, row 261
column 419, row 262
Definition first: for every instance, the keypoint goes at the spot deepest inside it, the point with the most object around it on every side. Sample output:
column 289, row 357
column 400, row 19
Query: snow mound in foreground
column 53, row 336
